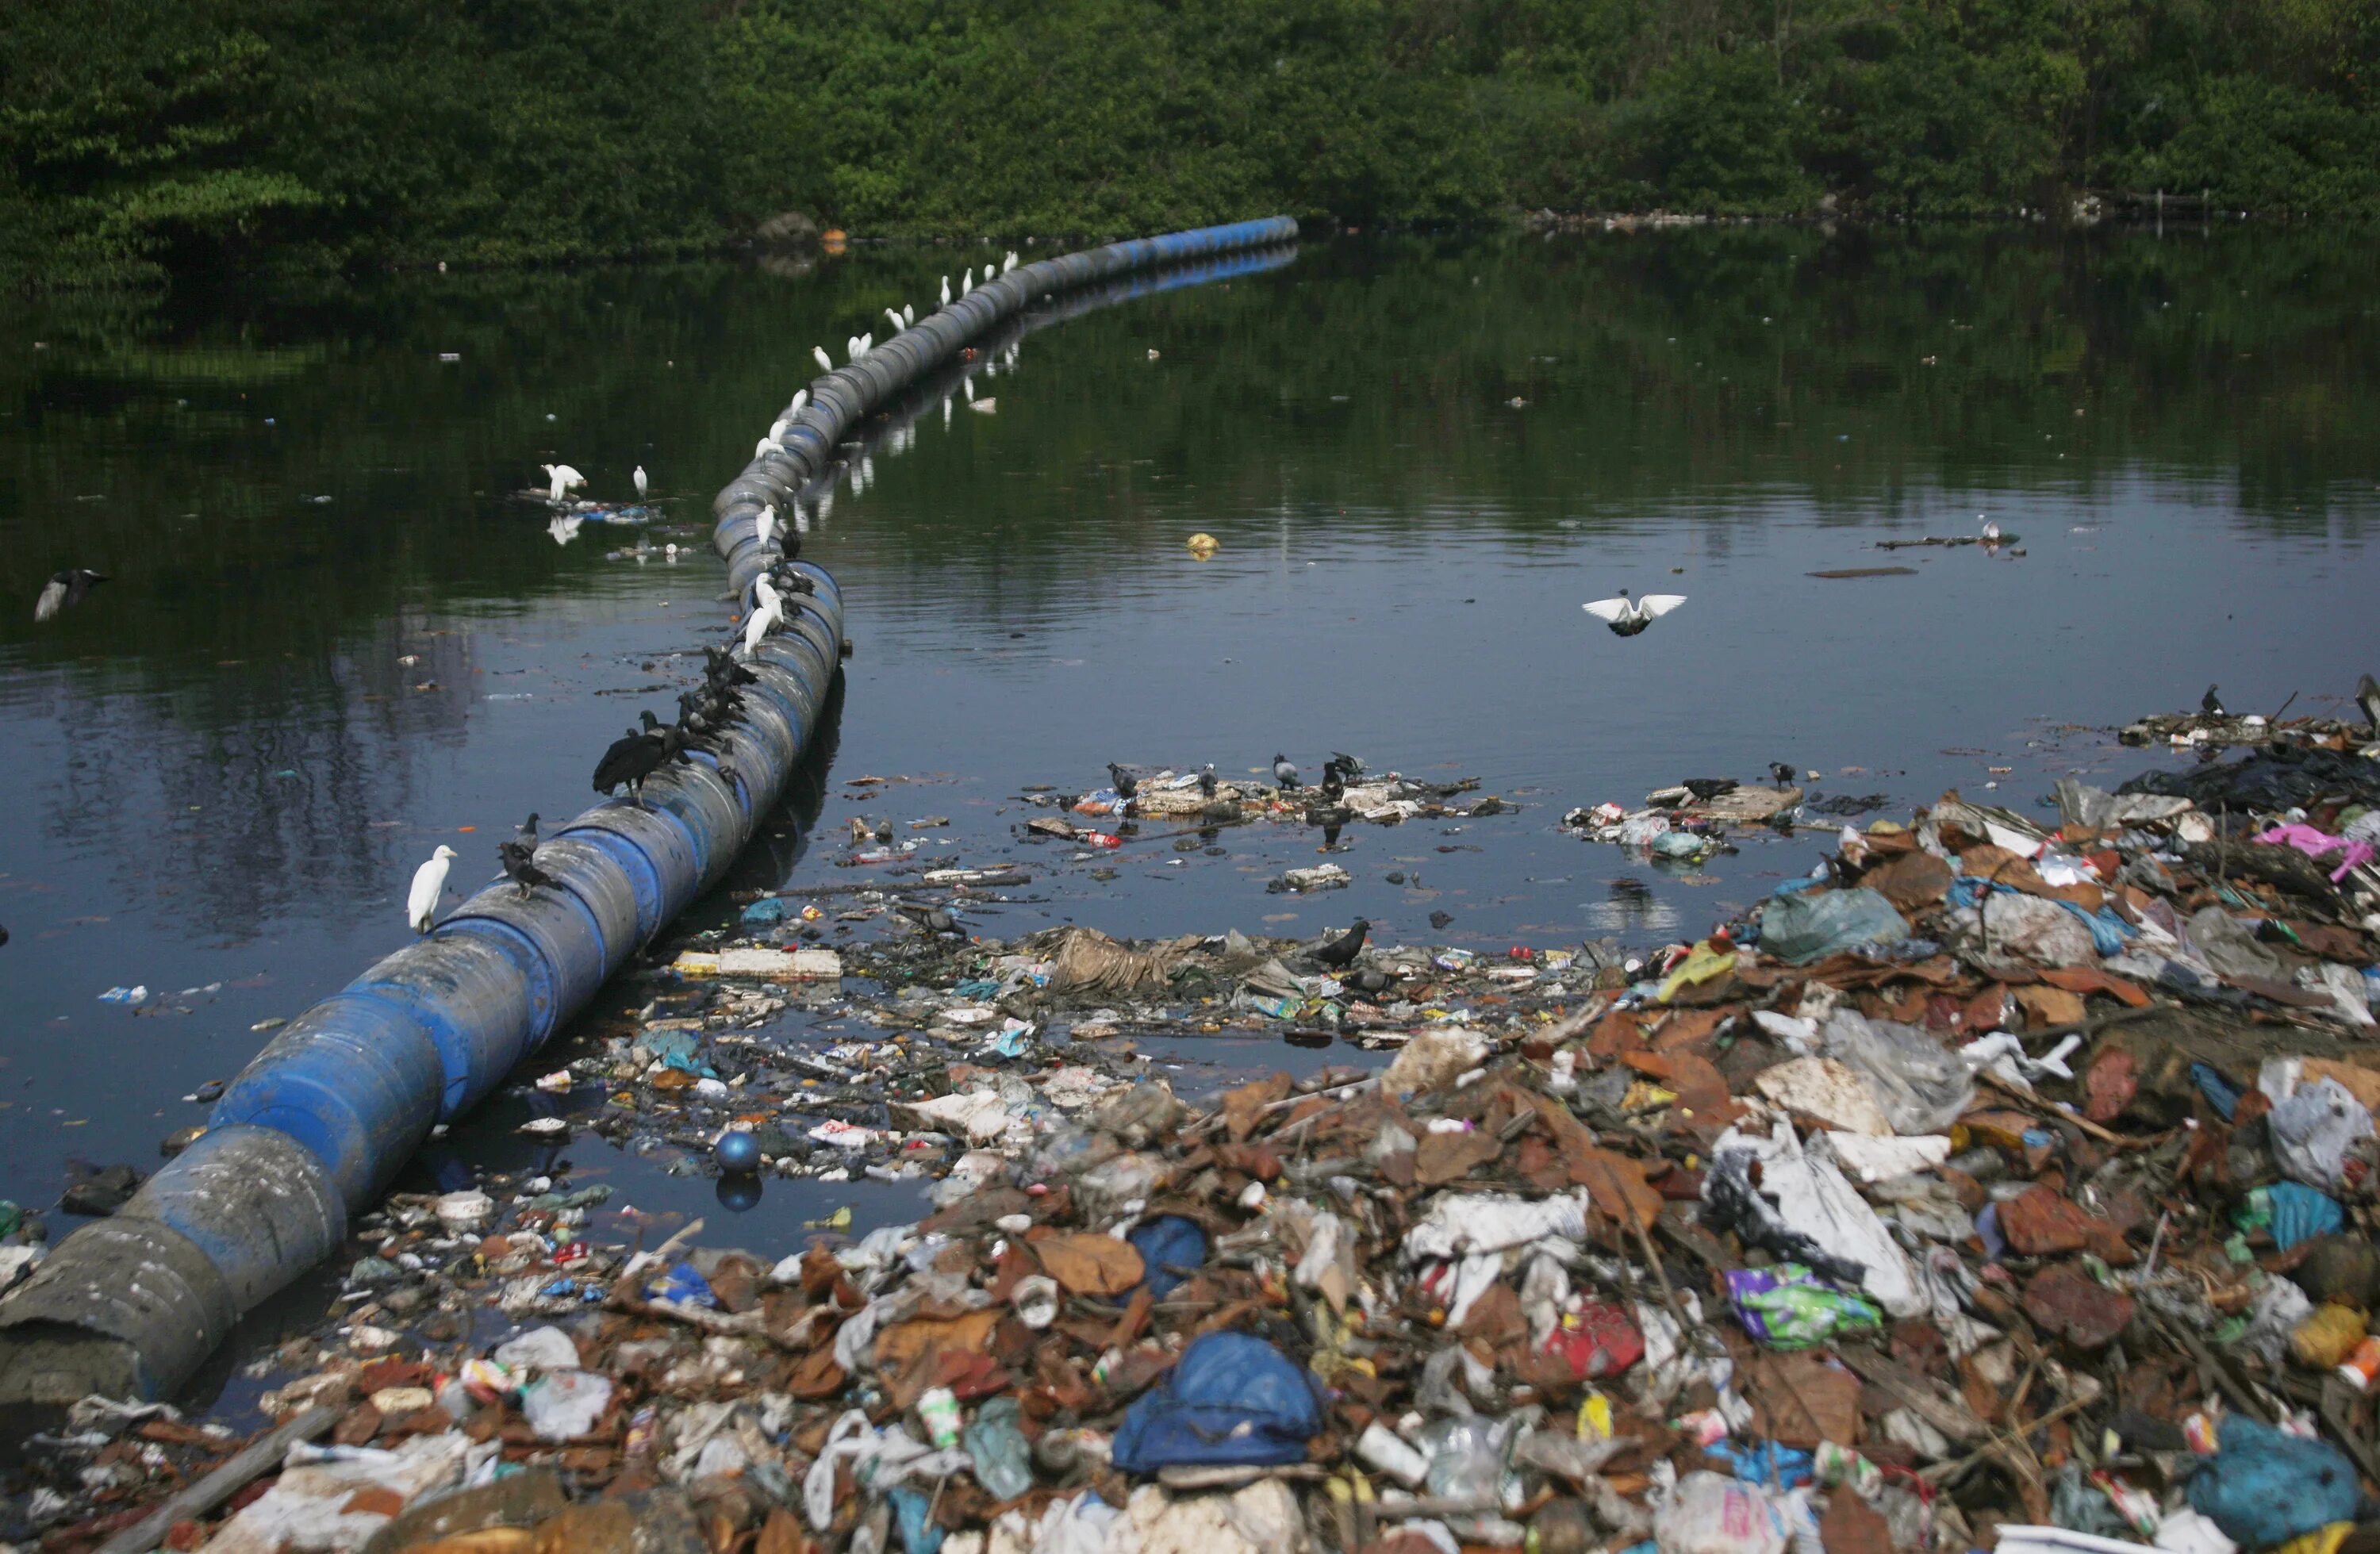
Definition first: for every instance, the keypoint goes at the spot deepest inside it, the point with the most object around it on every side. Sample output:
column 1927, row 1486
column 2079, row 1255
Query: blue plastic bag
column 1231, row 1399
column 1811, row 925
column 1165, row 1243
column 1004, row 1463
column 2263, row 1487
column 2302, row 1213
column 686, row 1285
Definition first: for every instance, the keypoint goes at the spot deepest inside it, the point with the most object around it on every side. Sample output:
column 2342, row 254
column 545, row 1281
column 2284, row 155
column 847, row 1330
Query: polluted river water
column 333, row 637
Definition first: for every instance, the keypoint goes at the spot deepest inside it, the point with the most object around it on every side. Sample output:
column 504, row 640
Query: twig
column 1941, row 1472
column 251, row 1462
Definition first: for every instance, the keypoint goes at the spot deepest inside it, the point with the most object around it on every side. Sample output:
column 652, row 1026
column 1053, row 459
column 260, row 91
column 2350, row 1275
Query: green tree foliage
column 141, row 138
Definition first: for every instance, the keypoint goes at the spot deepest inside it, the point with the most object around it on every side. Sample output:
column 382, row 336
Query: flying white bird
column 946, row 291
column 826, row 362
column 1626, row 618
column 429, row 885
column 639, row 478
column 561, row 477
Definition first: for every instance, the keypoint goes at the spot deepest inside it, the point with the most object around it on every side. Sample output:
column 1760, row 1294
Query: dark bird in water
column 933, row 919
column 1283, row 771
column 1207, row 774
column 1708, row 788
column 64, row 590
column 2210, row 705
column 1334, row 787
column 1127, row 784
column 630, row 762
column 1348, row 765
column 1782, row 772
column 1343, row 950
column 521, row 868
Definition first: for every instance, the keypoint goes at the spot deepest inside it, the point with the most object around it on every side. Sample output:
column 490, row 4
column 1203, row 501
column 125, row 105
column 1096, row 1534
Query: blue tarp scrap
column 1232, row 1400
column 2263, row 1489
column 1167, row 1244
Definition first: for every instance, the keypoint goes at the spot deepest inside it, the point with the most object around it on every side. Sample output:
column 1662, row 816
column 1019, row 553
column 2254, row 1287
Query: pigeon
column 1334, row 787
column 1709, row 788
column 1781, row 772
column 1283, row 771
column 933, row 919
column 526, row 832
column 1207, row 774
column 65, row 591
column 1127, row 784
column 2209, row 705
column 517, row 858
column 429, row 886
column 1348, row 765
column 1343, row 950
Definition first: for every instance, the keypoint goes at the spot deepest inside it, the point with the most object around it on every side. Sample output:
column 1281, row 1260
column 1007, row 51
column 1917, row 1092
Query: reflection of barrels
column 316, row 1125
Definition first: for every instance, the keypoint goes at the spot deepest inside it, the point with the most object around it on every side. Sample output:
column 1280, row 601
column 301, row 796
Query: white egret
column 1626, row 618
column 894, row 319
column 987, row 273
column 908, row 314
column 946, row 291
column 757, row 625
column 642, row 483
column 851, row 347
column 966, row 281
column 1991, row 530
column 561, row 477
column 429, row 886
column 765, row 525
column 767, row 445
column 1009, row 262
column 801, row 397
column 867, row 343
column 764, row 595
column 826, row 362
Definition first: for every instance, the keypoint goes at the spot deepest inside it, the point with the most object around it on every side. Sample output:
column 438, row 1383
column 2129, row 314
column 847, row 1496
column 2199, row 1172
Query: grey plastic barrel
column 312, row 1130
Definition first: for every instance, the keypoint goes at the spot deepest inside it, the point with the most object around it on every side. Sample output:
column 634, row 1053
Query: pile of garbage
column 1993, row 1185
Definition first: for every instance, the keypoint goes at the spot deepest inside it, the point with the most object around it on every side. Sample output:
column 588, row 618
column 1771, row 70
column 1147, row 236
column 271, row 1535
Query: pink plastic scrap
column 2318, row 844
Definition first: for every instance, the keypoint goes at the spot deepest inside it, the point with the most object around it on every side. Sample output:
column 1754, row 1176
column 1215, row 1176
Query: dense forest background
column 143, row 137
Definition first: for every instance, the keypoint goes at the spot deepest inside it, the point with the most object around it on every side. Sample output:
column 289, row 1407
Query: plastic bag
column 1230, row 1398
column 1171, row 1247
column 1922, row 1086
column 1709, row 1513
column 1786, row 1307
column 1003, row 1462
column 1809, row 925
column 565, row 1404
column 2314, row 1129
column 538, row 1349
column 2263, row 1487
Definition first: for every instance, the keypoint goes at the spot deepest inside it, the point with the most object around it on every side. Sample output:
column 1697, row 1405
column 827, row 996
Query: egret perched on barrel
column 639, row 478
column 1626, row 618
column 867, row 343
column 966, row 281
column 429, row 886
column 765, row 525
column 894, row 319
column 761, row 621
column 946, row 291
column 987, row 272
column 801, row 397
column 1009, row 262
column 826, row 362
column 560, row 478
column 767, row 445
column 908, row 313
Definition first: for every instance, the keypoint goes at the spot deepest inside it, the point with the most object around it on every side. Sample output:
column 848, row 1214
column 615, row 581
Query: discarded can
column 1381, row 1448
column 2360, row 1368
column 940, row 1410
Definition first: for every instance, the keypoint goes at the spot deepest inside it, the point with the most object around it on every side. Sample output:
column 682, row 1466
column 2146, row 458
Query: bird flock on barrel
column 706, row 712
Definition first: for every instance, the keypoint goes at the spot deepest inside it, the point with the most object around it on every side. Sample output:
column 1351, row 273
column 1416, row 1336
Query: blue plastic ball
column 739, row 1152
